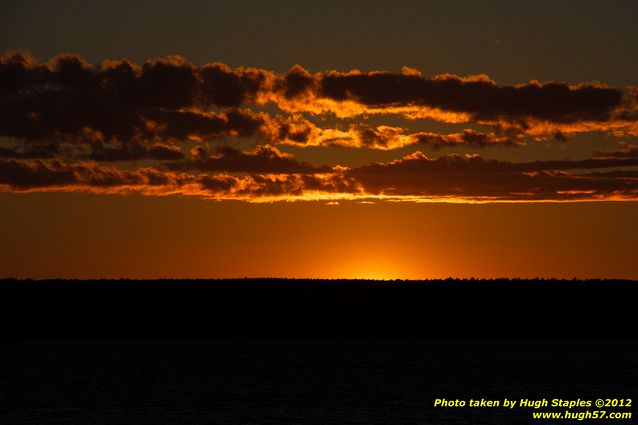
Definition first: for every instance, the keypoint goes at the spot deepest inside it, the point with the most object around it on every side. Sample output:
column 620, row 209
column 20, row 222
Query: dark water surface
column 301, row 382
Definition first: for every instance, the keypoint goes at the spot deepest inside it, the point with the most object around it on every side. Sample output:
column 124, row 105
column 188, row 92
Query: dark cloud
column 292, row 185
column 59, row 99
column 413, row 178
column 467, row 137
column 473, row 177
column 41, row 151
column 296, row 82
column 222, row 86
column 133, row 151
column 167, row 83
column 624, row 150
column 62, row 119
column 38, row 175
column 299, row 132
column 22, row 175
column 66, row 94
column 18, row 70
column 384, row 137
column 182, row 124
column 480, row 97
column 263, row 159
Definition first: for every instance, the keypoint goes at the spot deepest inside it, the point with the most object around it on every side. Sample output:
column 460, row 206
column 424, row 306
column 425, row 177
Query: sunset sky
column 386, row 140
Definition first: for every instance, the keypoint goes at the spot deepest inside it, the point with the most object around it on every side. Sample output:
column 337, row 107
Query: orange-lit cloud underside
column 155, row 130
column 412, row 178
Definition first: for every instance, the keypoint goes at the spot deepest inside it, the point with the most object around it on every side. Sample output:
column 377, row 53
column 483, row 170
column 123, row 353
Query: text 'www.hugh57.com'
column 556, row 408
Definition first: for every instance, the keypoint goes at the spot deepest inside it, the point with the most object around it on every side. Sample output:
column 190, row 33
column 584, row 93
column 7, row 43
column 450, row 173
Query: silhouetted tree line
column 316, row 308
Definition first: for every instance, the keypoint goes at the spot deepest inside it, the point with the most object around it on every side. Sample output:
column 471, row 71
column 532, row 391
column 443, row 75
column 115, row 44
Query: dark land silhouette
column 90, row 310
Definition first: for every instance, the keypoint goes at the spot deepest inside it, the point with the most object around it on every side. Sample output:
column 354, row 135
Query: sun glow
column 375, row 267
column 373, row 275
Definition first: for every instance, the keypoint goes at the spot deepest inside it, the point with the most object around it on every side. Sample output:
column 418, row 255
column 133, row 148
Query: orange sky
column 290, row 140
column 80, row 235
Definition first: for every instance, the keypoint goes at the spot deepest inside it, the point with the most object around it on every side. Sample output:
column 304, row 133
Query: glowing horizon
column 210, row 141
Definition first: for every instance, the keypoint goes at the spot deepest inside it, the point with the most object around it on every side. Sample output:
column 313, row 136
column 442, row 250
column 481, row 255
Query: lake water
column 301, row 382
